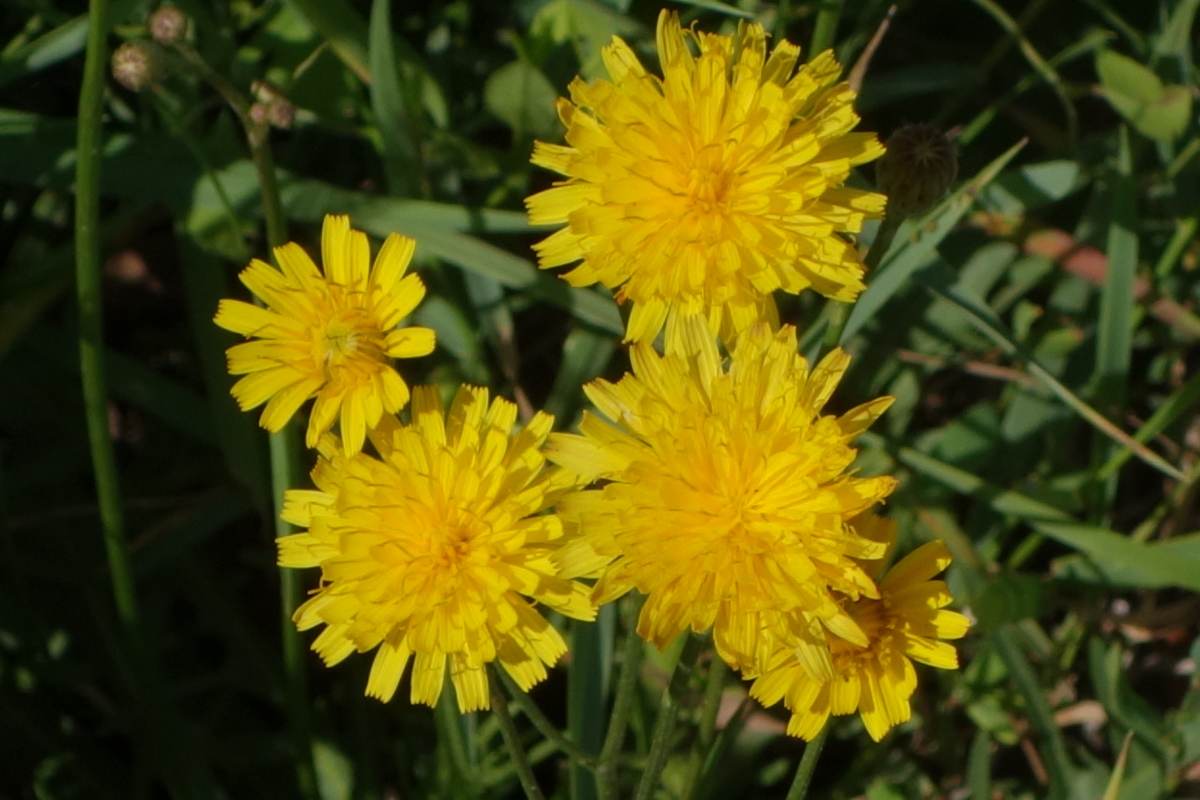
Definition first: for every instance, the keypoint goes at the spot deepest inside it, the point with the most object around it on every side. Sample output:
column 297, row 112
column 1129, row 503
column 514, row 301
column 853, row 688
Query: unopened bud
column 137, row 65
column 281, row 114
column 916, row 171
column 258, row 113
column 168, row 25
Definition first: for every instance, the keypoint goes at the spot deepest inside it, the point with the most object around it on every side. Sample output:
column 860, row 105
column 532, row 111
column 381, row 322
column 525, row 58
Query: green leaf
column 1005, row 598
column 586, row 25
column 1157, row 111
column 63, row 42
column 1114, row 335
column 1178, row 31
column 1146, row 566
column 520, row 95
column 393, row 114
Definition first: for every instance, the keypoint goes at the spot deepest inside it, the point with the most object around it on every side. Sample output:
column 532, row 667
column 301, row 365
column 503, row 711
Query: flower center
column 873, row 618
column 708, row 190
column 350, row 337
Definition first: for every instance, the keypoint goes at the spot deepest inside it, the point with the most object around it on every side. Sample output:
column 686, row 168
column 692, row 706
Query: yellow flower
column 727, row 495
column 707, row 189
column 430, row 550
column 327, row 335
column 902, row 625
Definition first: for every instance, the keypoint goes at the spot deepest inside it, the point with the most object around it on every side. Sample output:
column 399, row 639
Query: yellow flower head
column 727, row 495
column 707, row 189
column 431, row 550
column 904, row 624
column 327, row 335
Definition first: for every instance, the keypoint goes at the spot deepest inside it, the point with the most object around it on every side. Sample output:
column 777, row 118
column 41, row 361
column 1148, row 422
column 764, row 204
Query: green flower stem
column 284, row 449
column 668, row 713
column 706, row 732
column 840, row 312
column 508, row 730
column 808, row 764
column 91, row 323
column 825, row 29
column 623, row 702
column 525, row 704
column 146, row 681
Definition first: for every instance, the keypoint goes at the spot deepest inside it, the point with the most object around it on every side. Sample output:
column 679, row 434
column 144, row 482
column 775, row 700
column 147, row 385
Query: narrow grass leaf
column 1113, row 791
column 1175, row 406
column 389, row 103
column 1054, row 748
column 1147, row 567
column 59, row 44
column 585, row 355
column 987, row 322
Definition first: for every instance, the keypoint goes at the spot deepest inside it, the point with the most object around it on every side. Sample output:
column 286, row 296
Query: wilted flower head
column 727, row 494
column 703, row 191
column 328, row 335
column 434, row 551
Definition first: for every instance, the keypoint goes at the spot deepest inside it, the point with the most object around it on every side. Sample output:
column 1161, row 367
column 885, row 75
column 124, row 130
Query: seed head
column 168, row 25
column 137, row 65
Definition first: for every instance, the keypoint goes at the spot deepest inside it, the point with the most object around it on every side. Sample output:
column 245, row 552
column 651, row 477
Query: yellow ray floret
column 703, row 191
column 905, row 624
column 436, row 551
column 727, row 494
column 328, row 335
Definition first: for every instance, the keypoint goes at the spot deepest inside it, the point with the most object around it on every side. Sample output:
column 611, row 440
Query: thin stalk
column 91, row 321
column 623, row 702
column 840, row 312
column 808, row 764
column 706, row 731
column 284, row 450
column 508, row 730
column 668, row 714
column 825, row 28
column 526, row 706
column 147, row 688
column 285, row 474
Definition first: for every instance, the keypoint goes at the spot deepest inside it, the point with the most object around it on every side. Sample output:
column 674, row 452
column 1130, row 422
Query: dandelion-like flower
column 705, row 190
column 903, row 624
column 327, row 335
column 727, row 494
column 430, row 551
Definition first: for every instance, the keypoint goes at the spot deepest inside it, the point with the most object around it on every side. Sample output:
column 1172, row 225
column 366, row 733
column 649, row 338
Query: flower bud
column 281, row 114
column 137, row 65
column 916, row 171
column 168, row 25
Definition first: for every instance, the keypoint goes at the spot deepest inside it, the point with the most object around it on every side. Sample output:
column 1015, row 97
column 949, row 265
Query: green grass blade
column 588, row 679
column 1168, row 412
column 919, row 240
column 987, row 323
column 1045, row 70
column 1113, row 790
column 65, row 41
column 1147, row 566
column 585, row 356
column 393, row 117
column 310, row 200
column 1114, row 337
column 343, row 28
column 1057, row 762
